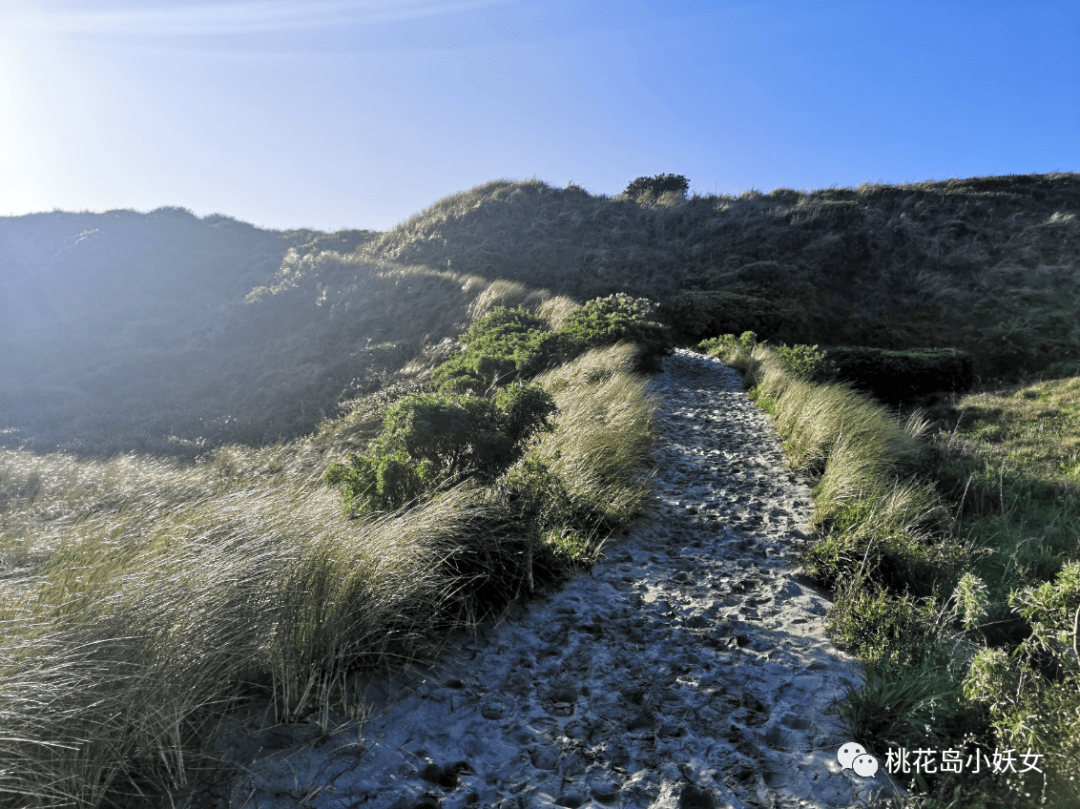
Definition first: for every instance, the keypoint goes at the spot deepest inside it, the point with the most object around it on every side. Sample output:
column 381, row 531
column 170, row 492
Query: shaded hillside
column 164, row 331
column 990, row 264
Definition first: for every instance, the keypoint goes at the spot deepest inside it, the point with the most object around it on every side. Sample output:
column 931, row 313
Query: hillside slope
column 989, row 264
column 171, row 333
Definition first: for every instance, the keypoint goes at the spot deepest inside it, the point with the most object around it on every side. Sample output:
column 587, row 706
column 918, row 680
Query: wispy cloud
column 234, row 17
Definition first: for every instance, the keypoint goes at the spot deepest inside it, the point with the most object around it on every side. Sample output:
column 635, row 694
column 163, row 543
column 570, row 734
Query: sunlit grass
column 161, row 588
column 1010, row 463
column 603, row 438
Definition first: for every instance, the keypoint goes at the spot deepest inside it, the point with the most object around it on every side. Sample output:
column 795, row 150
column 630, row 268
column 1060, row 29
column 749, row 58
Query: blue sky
column 338, row 115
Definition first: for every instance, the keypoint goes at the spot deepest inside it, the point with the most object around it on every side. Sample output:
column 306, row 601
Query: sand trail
column 689, row 668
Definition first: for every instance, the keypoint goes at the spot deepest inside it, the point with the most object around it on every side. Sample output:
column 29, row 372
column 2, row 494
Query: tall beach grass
column 161, row 605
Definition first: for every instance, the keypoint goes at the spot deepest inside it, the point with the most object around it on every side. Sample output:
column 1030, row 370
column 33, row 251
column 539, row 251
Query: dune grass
column 176, row 591
column 942, row 547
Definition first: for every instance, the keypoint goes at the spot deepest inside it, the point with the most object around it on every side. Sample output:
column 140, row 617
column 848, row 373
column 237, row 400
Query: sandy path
column 689, row 669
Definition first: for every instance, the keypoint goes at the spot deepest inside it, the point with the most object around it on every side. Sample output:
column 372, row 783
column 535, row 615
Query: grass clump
column 603, row 437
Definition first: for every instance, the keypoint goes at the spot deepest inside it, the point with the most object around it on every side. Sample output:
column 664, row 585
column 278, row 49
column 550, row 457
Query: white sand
column 689, row 669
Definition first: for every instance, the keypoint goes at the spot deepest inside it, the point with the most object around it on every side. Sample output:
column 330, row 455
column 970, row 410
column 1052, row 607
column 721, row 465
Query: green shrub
column 882, row 629
column 503, row 346
column 1062, row 369
column 660, row 184
column 431, row 439
column 807, row 362
column 1053, row 611
column 901, row 376
column 696, row 315
column 735, row 351
column 619, row 318
column 536, row 494
column 762, row 400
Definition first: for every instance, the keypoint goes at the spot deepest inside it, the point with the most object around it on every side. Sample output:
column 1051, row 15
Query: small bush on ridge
column 660, row 184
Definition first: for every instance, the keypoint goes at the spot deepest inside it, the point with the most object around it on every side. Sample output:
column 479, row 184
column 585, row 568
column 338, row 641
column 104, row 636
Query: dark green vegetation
column 898, row 377
column 986, row 264
column 660, row 184
column 512, row 344
column 237, row 369
column 439, row 439
column 431, row 440
column 506, row 345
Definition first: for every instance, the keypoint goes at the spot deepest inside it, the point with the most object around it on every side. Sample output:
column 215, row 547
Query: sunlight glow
column 233, row 17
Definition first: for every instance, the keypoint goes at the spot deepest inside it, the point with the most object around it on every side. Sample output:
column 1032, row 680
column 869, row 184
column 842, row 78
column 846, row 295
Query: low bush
column 619, row 318
column 734, row 350
column 503, row 346
column 885, row 630
column 535, row 494
column 807, row 362
column 513, row 344
column 440, row 439
column 696, row 315
column 1034, row 694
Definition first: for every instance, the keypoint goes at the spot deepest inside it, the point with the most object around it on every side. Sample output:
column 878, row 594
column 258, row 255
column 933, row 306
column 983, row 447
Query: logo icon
column 854, row 756
column 865, row 765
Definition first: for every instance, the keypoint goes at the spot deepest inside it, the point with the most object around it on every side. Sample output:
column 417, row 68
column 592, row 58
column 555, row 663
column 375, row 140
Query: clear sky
column 346, row 114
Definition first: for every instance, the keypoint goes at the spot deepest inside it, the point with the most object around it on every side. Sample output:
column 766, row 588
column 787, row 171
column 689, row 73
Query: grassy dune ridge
column 168, row 333
column 987, row 264
column 163, row 510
